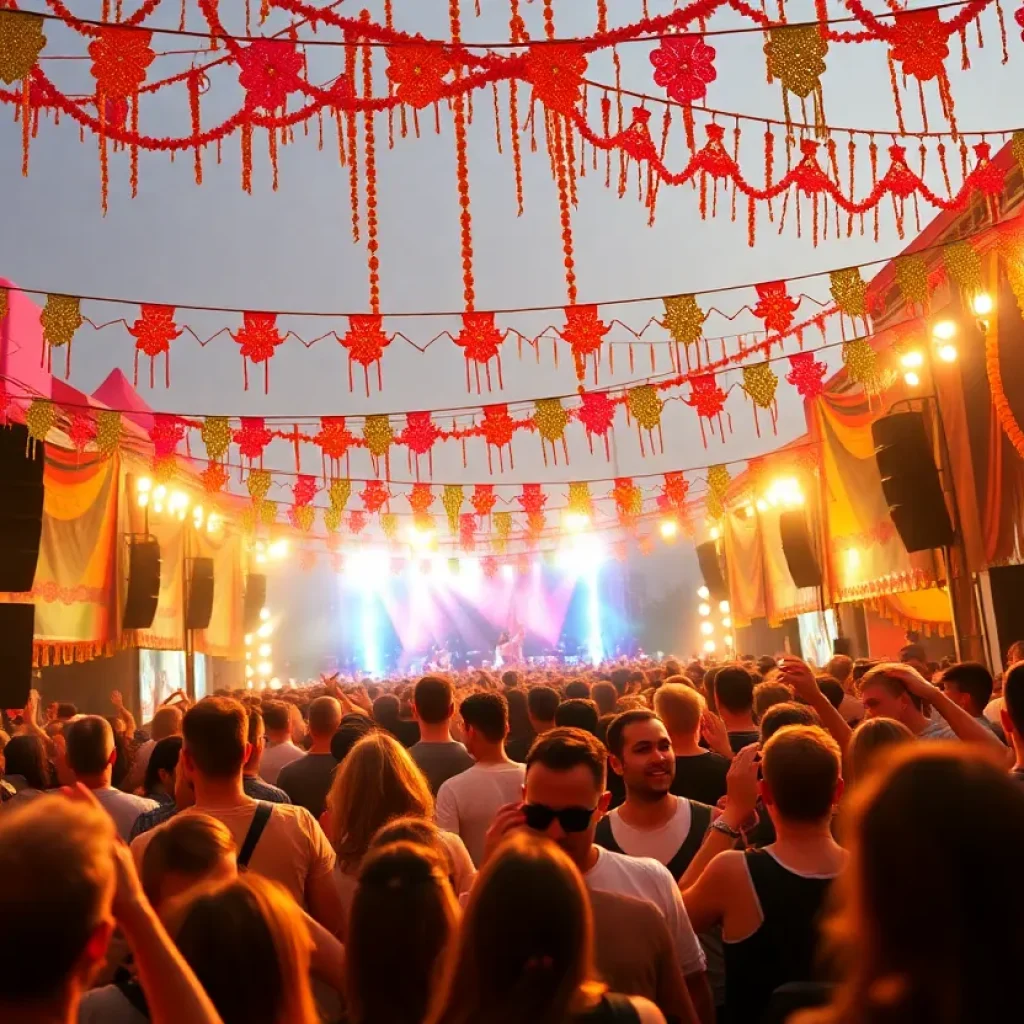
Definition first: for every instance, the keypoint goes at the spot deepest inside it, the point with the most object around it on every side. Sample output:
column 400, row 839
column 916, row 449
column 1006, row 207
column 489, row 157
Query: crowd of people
column 742, row 843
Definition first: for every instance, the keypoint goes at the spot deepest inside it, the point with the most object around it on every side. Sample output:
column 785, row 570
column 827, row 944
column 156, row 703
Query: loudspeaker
column 1007, row 584
column 798, row 547
column 17, row 625
column 21, row 510
column 843, row 645
column 910, row 481
column 255, row 599
column 200, row 594
column 711, row 570
column 143, row 584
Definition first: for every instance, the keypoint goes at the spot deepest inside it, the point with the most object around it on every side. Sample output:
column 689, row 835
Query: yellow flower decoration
column 963, row 265
column 645, row 405
column 850, row 291
column 718, row 485
column 60, row 318
column 304, row 516
column 684, row 319
column 503, row 524
column 378, row 434
column 551, row 419
column 40, row 417
column 796, row 57
column 258, row 484
column 339, row 492
column 1017, row 148
column 165, row 468
column 760, row 382
column 332, row 520
column 268, row 512
column 216, row 435
column 912, row 278
column 452, row 498
column 389, row 525
column 21, row 42
column 580, row 501
column 108, row 431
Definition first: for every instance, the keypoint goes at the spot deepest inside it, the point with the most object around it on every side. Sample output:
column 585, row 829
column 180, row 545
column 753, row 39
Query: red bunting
column 374, row 496
column 365, row 342
column 258, row 339
column 154, row 330
column 252, row 438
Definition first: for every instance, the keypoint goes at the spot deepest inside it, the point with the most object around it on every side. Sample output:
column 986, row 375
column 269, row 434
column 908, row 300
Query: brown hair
column 276, row 715
column 520, row 959
column 563, row 749
column 802, row 767
column 840, row 667
column 378, row 781
column 58, row 878
column 433, row 697
column 166, row 722
column 869, row 739
column 403, row 913
column 767, row 695
column 938, row 817
column 89, row 742
column 190, row 844
column 410, row 829
column 250, row 948
column 215, row 732
column 679, row 706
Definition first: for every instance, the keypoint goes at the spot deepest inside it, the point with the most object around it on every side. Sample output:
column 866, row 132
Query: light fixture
column 707, row 628
column 197, row 516
column 264, row 650
column 709, row 646
column 143, row 485
column 852, row 558
column 727, row 623
column 265, row 668
column 264, row 614
column 762, row 505
column 703, row 593
column 723, row 607
column 982, row 304
column 249, row 672
column 912, row 360
column 947, row 353
column 278, row 549
column 911, row 379
column 715, row 533
column 264, row 631
column 248, row 639
column 212, row 522
column 944, row 330
column 575, row 521
column 143, row 499
column 669, row 528
column 160, row 492
column 728, row 641
column 704, row 609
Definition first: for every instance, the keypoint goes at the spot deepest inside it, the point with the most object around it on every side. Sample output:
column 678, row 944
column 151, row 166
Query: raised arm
column 798, row 674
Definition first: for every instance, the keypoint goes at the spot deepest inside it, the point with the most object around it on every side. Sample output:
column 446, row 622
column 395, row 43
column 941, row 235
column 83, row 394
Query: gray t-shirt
column 440, row 761
column 307, row 781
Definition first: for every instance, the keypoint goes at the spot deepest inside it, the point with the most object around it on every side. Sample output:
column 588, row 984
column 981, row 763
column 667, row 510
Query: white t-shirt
column 123, row 808
column 660, row 844
column 276, row 757
column 468, row 802
column 646, row 879
column 992, row 710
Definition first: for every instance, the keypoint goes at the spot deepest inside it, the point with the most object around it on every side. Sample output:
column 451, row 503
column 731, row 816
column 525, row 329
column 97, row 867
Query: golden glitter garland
column 21, row 42
column 850, row 291
column 796, row 57
column 60, row 319
column 912, row 279
column 760, row 382
column 216, row 435
column 580, row 501
column 1017, row 148
column 502, row 529
column 389, row 525
column 452, row 499
column 332, row 519
column 339, row 492
column 258, row 484
column 963, row 266
column 108, row 431
column 40, row 417
column 718, row 485
column 684, row 319
column 165, row 468
column 268, row 512
column 303, row 516
column 645, row 405
column 551, row 419
column 378, row 434
column 5, row 303
column 248, row 520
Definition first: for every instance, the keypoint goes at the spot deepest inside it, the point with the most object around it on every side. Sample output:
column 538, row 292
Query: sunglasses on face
column 571, row 819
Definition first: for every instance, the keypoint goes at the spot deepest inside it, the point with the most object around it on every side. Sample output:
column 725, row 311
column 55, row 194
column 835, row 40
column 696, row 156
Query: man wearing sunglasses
column 564, row 798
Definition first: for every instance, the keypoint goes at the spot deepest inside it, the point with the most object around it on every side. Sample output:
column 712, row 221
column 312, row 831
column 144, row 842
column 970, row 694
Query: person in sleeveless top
column 529, row 960
column 918, row 941
column 768, row 901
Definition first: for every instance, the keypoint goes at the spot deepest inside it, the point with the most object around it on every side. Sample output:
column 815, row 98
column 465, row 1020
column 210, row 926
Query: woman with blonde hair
column 525, row 948
column 404, row 912
column 870, row 740
column 377, row 782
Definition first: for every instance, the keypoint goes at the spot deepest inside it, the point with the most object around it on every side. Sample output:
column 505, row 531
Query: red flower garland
column 775, row 306
column 807, row 375
column 596, row 413
column 418, row 73
column 258, row 340
column 483, row 500
column 374, row 496
column 252, row 437
column 153, row 331
column 480, row 341
column 584, row 331
column 498, row 428
column 271, row 69
column 304, row 490
column 684, row 67
column 365, row 342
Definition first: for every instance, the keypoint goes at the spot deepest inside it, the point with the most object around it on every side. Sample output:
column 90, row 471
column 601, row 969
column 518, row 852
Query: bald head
column 89, row 744
column 324, row 718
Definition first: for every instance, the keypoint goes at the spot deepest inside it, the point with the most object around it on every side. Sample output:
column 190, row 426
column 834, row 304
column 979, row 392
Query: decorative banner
column 452, row 499
column 718, row 484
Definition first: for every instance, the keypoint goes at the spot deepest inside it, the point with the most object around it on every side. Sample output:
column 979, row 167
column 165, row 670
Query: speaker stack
column 711, row 570
column 143, row 583
column 200, row 594
column 798, row 547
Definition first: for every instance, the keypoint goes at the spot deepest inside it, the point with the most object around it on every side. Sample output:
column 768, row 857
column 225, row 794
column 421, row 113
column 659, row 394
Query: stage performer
column 510, row 648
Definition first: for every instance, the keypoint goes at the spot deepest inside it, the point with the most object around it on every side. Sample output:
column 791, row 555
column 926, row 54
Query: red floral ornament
column 81, row 430
column 419, row 435
column 673, row 492
column 153, row 332
column 467, row 532
column 420, row 498
column 271, row 69
column 258, row 339
column 532, row 499
column 535, row 523
column 484, row 499
column 374, row 496
column 120, row 59
column 498, row 428
column 584, row 331
column 252, row 437
column 334, row 438
column 708, row 399
column 1019, row 18
column 555, row 70
column 489, row 565
column 775, row 306
column 214, row 477
column 417, row 72
column 920, row 42
column 807, row 375
column 480, row 341
column 596, row 413
column 365, row 342
column 684, row 66
column 357, row 522
column 304, row 490
column 629, row 501
column 167, row 432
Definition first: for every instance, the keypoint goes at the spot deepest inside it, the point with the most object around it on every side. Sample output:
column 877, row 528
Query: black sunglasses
column 572, row 819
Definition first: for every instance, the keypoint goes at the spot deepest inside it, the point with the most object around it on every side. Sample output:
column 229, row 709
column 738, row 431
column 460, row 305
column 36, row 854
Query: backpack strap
column 700, row 821
column 252, row 837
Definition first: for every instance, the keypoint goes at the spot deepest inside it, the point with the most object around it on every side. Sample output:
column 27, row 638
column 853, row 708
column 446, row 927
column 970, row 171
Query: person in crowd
column 520, row 732
column 278, row 841
column 64, row 855
column 182, row 794
column 509, row 679
column 377, row 783
column 1011, row 715
column 869, row 744
column 529, row 959
column 699, row 773
column 253, row 785
column 468, row 802
column 778, row 716
column 652, row 822
column 26, row 767
column 158, row 783
column 734, row 698
column 577, row 689
column 354, row 726
column 193, row 849
column 768, row 901
column 279, row 749
column 564, row 799
column 833, row 690
column 387, row 713
column 436, row 754
column 403, row 912
column 898, row 691
column 840, row 667
column 121, row 766
column 89, row 756
column 605, row 696
column 166, row 722
column 915, row 940
column 307, row 779
column 541, row 704
column 915, row 656
column 969, row 685
column 767, row 695
column 577, row 713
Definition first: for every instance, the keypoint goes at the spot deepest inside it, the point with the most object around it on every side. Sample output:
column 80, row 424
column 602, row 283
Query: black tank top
column 783, row 948
column 700, row 821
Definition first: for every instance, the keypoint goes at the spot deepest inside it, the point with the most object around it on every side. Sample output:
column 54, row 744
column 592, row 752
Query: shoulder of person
column 646, row 1011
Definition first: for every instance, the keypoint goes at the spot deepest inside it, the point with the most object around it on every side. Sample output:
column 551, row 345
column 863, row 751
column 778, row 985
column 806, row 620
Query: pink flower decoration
column 684, row 67
column 270, row 71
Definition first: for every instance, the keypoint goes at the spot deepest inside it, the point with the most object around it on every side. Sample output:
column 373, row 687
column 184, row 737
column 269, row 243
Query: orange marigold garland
column 214, row 478
column 629, row 501
column 480, row 341
column 153, row 331
column 420, row 498
column 1000, row 402
column 370, row 161
column 498, row 428
column 483, row 500
column 334, row 440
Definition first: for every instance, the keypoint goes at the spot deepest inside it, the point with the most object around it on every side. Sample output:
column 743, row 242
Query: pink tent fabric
column 21, row 346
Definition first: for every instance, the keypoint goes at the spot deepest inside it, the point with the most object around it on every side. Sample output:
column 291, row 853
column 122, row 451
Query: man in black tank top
column 769, row 901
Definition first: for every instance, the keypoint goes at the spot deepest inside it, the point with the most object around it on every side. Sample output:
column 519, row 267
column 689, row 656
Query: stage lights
column 785, row 491
column 420, row 540
column 707, row 625
column 703, row 593
column 943, row 333
column 669, row 529
column 575, row 522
